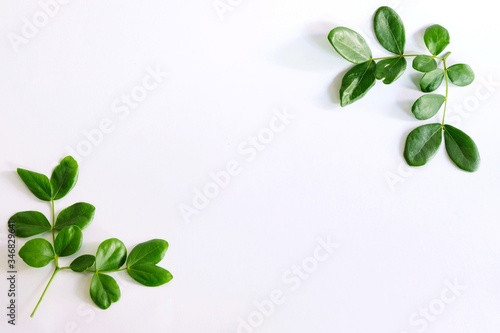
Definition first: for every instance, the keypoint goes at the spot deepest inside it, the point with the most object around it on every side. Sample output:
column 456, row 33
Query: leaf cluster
column 423, row 142
column 67, row 239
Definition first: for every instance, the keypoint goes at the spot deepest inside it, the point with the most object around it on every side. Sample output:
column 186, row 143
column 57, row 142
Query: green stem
column 447, row 85
column 53, row 218
column 396, row 56
column 44, row 291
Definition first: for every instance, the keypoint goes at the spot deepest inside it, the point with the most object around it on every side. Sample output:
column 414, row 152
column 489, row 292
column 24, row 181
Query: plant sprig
column 66, row 238
column 423, row 142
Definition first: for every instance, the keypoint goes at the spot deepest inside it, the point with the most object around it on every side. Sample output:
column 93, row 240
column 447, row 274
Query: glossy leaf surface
column 151, row 251
column 423, row 63
column 64, row 177
column 427, row 106
column 82, row 263
column 30, row 223
column 460, row 74
column 37, row 183
column 356, row 82
column 68, row 241
column 37, row 252
column 79, row 214
column 436, row 39
column 149, row 275
column 422, row 144
column 461, row 149
column 389, row 70
column 104, row 290
column 389, row 30
column 432, row 80
column 111, row 255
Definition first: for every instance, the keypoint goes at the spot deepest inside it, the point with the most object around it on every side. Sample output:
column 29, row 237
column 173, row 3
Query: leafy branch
column 66, row 238
column 423, row 142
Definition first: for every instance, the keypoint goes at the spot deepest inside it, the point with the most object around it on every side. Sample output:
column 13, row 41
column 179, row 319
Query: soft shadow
column 418, row 38
column 404, row 109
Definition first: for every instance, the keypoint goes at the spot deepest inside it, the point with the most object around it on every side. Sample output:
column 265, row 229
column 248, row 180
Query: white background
column 332, row 174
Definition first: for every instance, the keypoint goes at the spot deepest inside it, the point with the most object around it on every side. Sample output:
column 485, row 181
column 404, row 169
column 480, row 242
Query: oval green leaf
column 436, row 39
column 82, row 263
column 432, row 80
column 356, row 82
column 389, row 70
column 149, row 275
column 37, row 252
column 151, row 252
column 461, row 149
column 29, row 223
column 422, row 144
column 427, row 106
column 37, row 183
column 389, row 30
column 68, row 241
column 111, row 255
column 423, row 63
column 104, row 290
column 350, row 45
column 79, row 214
column 460, row 74
column 64, row 177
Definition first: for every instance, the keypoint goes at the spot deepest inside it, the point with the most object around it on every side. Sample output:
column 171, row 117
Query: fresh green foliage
column 423, row 142
column 67, row 237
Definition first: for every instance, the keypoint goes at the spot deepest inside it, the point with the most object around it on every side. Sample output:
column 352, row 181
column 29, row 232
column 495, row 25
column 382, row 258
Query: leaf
column 461, row 149
column 111, row 255
column 104, row 290
column 37, row 183
column 82, row 263
column 423, row 63
column 389, row 70
column 151, row 252
column 64, row 177
column 427, row 106
column 350, row 45
column 149, row 275
column 30, row 223
column 79, row 214
column 422, row 144
column 436, row 39
column 389, row 30
column 37, row 252
column 460, row 74
column 432, row 80
column 356, row 82
column 68, row 241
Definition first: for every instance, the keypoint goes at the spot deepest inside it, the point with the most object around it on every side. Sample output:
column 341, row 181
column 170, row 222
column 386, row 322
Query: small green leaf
column 37, row 183
column 422, row 144
column 356, row 82
column 432, row 80
column 149, row 275
column 389, row 70
column 68, row 241
column 461, row 149
column 104, row 290
column 460, row 74
column 427, row 106
column 82, row 263
column 425, row 64
column 151, row 252
column 64, row 177
column 80, row 214
column 436, row 39
column 111, row 255
column 350, row 45
column 30, row 223
column 389, row 30
column 37, row 252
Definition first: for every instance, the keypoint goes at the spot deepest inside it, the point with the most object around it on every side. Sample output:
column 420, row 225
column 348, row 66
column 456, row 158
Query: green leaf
column 461, row 149
column 432, row 80
column 151, row 252
column 111, row 255
column 422, row 144
column 37, row 252
column 389, row 70
column 37, row 183
column 64, row 177
column 68, row 241
column 80, row 214
column 356, row 82
column 460, row 74
column 149, row 275
column 425, row 64
column 427, row 106
column 82, row 263
column 389, row 30
column 350, row 45
column 436, row 39
column 104, row 290
column 29, row 223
